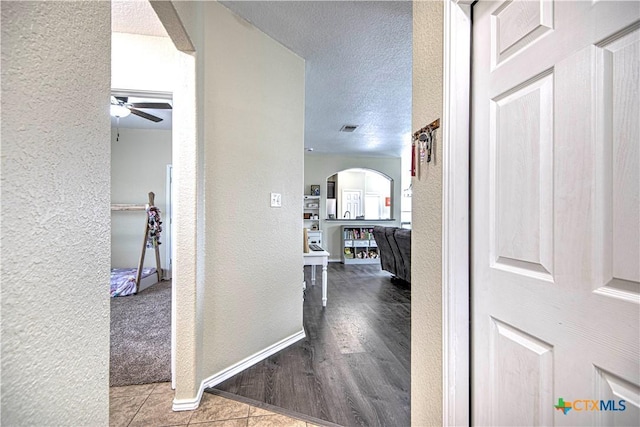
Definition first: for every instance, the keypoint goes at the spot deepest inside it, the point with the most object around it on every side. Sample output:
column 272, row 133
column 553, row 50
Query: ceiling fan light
column 118, row 110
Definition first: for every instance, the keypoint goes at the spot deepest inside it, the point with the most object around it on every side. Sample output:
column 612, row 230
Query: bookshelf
column 311, row 218
column 359, row 246
column 311, row 212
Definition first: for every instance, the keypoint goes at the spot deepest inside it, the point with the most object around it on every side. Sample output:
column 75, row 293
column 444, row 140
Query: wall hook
column 424, row 138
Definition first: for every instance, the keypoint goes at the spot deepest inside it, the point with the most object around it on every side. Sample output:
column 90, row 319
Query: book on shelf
column 358, row 233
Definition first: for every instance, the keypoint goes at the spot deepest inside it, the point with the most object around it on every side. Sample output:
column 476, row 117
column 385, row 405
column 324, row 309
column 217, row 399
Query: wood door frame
column 456, row 385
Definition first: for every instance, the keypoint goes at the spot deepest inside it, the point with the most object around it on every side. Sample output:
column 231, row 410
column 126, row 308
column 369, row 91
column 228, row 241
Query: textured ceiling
column 358, row 69
column 358, row 65
column 135, row 17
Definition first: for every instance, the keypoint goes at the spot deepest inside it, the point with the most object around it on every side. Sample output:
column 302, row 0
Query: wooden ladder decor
column 147, row 229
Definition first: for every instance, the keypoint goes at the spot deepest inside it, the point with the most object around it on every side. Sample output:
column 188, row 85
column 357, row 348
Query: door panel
column 521, row 169
column 522, row 371
column 555, row 211
column 518, row 24
column 612, row 387
column 620, row 60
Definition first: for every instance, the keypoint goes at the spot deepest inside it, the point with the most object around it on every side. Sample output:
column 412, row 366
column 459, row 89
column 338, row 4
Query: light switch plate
column 276, row 200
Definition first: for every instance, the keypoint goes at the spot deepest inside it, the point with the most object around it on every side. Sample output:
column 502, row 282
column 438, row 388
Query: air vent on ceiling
column 348, row 128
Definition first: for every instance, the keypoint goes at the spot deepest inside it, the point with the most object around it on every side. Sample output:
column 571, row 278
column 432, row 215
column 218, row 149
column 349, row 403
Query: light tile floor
column 149, row 405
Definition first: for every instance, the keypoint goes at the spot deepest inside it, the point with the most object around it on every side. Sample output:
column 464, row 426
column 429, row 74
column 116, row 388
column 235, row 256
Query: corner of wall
column 221, row 231
column 426, row 317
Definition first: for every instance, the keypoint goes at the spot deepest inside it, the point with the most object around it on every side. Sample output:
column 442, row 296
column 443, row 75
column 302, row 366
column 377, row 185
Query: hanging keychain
column 432, row 135
column 425, row 139
column 413, row 157
column 423, row 147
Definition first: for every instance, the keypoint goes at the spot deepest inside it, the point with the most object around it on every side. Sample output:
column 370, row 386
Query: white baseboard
column 252, row 360
column 188, row 404
column 225, row 374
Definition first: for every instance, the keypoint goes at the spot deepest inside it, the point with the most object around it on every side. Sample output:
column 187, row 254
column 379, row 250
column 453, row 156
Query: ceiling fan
column 120, row 107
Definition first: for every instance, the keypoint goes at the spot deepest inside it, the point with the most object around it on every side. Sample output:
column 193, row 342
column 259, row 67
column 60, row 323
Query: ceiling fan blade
column 154, row 105
column 145, row 115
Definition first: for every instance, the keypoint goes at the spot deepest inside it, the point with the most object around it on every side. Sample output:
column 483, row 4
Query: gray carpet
column 141, row 337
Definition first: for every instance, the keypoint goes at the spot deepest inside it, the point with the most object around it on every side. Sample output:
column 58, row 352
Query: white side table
column 314, row 258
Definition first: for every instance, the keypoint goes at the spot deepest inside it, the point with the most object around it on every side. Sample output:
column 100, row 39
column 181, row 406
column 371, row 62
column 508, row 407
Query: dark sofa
column 394, row 247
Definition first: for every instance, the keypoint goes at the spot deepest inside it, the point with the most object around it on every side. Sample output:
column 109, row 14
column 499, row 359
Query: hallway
column 353, row 368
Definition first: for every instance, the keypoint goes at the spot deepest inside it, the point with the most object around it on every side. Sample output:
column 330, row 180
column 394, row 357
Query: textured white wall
column 55, row 213
column 143, row 63
column 253, row 143
column 319, row 167
column 187, row 156
column 138, row 165
column 426, row 238
column 187, row 285
column 243, row 293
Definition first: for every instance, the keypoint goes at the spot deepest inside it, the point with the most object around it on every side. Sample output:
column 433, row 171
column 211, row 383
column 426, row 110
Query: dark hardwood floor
column 353, row 368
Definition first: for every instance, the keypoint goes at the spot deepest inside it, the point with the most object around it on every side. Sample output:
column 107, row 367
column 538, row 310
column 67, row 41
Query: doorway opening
column 141, row 159
column 141, row 151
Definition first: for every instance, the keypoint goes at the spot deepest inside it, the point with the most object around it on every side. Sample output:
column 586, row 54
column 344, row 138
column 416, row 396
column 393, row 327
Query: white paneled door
column 352, row 202
column 556, row 213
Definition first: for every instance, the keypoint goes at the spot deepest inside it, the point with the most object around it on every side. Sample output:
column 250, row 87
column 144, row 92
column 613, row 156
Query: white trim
column 142, row 94
column 225, row 374
column 168, row 240
column 168, row 266
column 174, row 312
column 455, row 214
column 188, row 404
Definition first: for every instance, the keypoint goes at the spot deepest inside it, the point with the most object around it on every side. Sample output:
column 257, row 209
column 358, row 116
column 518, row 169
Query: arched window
column 359, row 194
